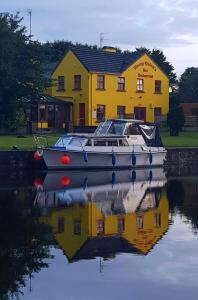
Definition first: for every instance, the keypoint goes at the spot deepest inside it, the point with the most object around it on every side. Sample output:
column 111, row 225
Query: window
column 100, row 82
column 99, row 143
column 158, row 86
column 61, row 83
column 112, row 143
column 157, row 220
column 120, row 111
column 77, row 227
column 121, row 84
column 42, row 113
column 131, row 130
column 100, row 227
column 78, row 142
column 116, row 128
column 100, row 113
column 61, row 225
column 194, row 111
column 120, row 225
column 123, row 143
column 89, row 143
column 140, row 85
column 139, row 222
column 77, row 82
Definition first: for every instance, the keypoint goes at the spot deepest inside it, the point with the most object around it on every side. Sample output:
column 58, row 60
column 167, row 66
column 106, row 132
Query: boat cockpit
column 117, row 127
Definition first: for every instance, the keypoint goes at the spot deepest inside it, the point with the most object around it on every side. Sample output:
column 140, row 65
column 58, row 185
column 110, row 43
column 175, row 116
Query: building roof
column 103, row 61
column 49, row 68
column 46, row 99
column 53, row 100
column 106, row 247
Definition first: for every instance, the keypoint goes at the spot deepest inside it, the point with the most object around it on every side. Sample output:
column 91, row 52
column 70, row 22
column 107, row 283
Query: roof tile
column 103, row 61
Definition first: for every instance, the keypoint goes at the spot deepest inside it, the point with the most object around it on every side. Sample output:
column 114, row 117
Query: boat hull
column 92, row 160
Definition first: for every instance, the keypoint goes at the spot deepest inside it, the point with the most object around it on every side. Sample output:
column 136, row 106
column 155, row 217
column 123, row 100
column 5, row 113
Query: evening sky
column 169, row 25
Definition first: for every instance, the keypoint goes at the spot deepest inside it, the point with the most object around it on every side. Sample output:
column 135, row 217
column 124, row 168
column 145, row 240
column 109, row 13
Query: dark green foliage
column 188, row 85
column 182, row 196
column 54, row 51
column 175, row 120
column 142, row 51
column 21, row 72
column 23, row 246
column 174, row 99
column 175, row 194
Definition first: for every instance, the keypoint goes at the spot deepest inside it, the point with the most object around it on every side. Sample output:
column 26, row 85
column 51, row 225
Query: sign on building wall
column 94, row 114
column 146, row 68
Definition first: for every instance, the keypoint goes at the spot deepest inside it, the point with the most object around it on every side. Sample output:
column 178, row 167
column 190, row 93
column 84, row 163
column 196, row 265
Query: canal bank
column 13, row 160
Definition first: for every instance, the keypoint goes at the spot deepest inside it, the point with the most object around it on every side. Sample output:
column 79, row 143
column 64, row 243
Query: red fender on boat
column 65, row 159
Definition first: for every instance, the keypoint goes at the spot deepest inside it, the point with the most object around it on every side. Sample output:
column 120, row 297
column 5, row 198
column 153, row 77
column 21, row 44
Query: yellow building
column 99, row 84
column 83, row 231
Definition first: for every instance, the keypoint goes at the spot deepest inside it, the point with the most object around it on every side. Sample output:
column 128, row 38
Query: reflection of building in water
column 101, row 228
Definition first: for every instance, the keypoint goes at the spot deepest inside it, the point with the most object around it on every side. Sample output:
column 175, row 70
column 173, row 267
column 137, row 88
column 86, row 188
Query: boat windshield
column 110, row 127
column 63, row 141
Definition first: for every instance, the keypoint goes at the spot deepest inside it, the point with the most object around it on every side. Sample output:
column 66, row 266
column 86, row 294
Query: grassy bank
column 27, row 142
column 185, row 139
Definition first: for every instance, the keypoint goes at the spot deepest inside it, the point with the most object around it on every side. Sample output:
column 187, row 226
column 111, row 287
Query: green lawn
column 27, row 142
column 185, row 139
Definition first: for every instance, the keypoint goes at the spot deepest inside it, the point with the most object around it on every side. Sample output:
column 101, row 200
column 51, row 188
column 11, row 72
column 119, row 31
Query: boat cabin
column 116, row 133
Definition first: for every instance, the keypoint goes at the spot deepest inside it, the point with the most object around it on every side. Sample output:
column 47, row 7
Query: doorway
column 157, row 114
column 51, row 116
column 81, row 114
column 120, row 112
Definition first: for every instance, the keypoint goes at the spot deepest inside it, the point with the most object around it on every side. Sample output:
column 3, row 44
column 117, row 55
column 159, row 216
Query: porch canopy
column 48, row 112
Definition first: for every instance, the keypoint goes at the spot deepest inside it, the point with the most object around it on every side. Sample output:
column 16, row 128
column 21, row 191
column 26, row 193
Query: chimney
column 109, row 49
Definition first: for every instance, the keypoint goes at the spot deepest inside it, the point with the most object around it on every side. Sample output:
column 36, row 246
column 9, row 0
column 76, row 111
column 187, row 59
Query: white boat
column 115, row 144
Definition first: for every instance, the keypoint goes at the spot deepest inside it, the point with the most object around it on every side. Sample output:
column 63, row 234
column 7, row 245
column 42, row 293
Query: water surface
column 98, row 235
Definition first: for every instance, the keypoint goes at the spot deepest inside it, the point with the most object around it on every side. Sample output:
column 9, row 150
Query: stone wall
column 14, row 160
column 182, row 162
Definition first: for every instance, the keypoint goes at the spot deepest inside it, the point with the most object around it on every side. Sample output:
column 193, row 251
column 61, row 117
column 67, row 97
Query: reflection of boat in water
column 110, row 217
column 126, row 188
column 115, row 144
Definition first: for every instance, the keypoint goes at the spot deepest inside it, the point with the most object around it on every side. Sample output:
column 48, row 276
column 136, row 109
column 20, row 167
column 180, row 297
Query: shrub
column 175, row 120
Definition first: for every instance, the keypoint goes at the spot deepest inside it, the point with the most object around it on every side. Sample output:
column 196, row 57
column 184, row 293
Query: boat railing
column 42, row 141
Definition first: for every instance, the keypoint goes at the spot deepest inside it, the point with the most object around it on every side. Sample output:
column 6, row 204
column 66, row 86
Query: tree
column 188, row 85
column 21, row 72
column 174, row 101
column 54, row 51
column 175, row 120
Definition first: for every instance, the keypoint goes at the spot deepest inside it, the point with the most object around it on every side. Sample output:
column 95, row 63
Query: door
column 120, row 112
column 157, row 114
column 140, row 113
column 81, row 114
column 51, row 116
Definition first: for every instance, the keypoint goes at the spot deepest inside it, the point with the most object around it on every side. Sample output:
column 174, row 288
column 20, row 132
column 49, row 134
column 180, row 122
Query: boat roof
column 133, row 121
column 91, row 135
column 125, row 120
